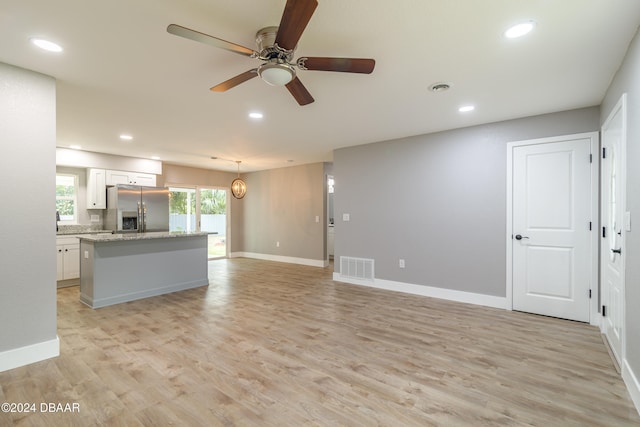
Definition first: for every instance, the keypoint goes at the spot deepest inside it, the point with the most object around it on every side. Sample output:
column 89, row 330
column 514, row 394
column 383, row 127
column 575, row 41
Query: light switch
column 86, row 254
column 346, row 217
column 317, row 218
column 627, row 221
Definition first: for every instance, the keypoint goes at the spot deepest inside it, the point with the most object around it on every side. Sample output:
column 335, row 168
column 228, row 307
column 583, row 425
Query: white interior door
column 551, row 220
column 612, row 210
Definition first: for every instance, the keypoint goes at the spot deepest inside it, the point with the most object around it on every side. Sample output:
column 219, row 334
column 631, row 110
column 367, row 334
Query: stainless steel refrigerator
column 136, row 209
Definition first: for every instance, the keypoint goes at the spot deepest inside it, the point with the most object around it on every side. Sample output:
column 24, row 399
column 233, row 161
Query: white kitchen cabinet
column 59, row 262
column 132, row 178
column 96, row 189
column 68, row 258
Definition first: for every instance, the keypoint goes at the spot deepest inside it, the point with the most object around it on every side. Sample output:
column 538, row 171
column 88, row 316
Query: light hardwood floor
column 272, row 344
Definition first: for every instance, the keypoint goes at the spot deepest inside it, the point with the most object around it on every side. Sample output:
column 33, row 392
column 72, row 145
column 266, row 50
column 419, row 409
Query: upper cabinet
column 99, row 179
column 96, row 189
column 132, row 178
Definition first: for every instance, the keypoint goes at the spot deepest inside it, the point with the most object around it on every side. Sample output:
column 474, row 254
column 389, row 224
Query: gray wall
column 438, row 201
column 281, row 205
column 628, row 80
column 27, row 218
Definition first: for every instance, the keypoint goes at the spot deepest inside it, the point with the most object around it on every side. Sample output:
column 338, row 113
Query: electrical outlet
column 401, row 263
column 317, row 218
column 346, row 217
column 86, row 254
column 277, row 244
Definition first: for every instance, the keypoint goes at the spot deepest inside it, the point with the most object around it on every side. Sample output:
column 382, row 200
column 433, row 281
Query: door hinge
column 604, row 152
column 604, row 232
column 604, row 311
column 589, row 293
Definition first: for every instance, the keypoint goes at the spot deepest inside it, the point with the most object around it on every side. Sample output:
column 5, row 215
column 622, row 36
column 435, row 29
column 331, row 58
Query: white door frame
column 595, row 174
column 621, row 106
column 227, row 213
column 196, row 189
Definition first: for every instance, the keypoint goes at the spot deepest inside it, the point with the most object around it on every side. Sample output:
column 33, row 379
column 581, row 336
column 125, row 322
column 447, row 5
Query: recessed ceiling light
column 75, row 147
column 155, row 157
column 520, row 30
column 126, row 137
column 46, row 44
column 255, row 115
column 466, row 108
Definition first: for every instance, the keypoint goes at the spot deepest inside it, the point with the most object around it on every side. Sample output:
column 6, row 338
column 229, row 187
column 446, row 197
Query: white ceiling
column 121, row 72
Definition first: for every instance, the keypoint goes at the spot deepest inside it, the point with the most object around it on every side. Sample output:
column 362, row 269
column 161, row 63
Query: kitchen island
column 117, row 268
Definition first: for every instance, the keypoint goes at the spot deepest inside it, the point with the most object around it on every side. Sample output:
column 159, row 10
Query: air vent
column 356, row 268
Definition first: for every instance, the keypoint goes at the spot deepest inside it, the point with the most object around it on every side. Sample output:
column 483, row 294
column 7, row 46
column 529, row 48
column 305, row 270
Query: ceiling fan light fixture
column 276, row 73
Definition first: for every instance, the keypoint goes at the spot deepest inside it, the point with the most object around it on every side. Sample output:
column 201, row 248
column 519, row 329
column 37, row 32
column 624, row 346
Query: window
column 66, row 197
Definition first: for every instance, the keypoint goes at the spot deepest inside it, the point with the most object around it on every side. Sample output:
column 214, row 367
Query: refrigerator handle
column 140, row 218
column 144, row 217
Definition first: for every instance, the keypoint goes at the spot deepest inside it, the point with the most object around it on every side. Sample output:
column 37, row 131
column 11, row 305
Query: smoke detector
column 440, row 87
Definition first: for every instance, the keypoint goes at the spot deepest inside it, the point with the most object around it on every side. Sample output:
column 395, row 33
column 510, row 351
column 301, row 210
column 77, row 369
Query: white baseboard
column 429, row 291
column 279, row 258
column 26, row 355
column 632, row 383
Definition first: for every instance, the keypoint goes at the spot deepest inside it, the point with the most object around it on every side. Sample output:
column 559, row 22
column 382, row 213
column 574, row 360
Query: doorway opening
column 202, row 209
column 330, row 218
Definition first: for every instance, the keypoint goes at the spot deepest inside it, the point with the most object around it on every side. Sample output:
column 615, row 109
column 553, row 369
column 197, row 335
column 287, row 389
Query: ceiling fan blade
column 344, row 65
column 210, row 40
column 295, row 18
column 299, row 92
column 235, row 81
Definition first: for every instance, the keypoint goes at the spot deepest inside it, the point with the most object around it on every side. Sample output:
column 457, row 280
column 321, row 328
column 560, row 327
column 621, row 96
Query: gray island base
column 118, row 268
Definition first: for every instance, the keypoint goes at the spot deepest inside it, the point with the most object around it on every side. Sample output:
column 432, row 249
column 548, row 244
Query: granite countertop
column 67, row 229
column 69, row 233
column 141, row 236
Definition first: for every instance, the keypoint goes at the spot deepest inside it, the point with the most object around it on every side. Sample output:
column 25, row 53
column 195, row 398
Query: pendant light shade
column 238, row 186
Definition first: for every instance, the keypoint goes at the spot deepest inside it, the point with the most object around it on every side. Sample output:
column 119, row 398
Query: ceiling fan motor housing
column 267, row 47
column 277, row 71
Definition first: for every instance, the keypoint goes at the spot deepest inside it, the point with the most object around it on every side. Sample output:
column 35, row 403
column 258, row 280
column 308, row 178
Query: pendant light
column 238, row 186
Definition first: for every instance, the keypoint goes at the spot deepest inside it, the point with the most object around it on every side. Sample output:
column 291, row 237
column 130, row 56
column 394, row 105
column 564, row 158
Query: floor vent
column 356, row 268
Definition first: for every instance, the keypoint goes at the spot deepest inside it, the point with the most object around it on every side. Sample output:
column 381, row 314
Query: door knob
column 617, row 251
column 519, row 237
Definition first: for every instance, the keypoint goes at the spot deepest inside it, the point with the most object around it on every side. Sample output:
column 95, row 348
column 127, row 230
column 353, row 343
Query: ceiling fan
column 276, row 47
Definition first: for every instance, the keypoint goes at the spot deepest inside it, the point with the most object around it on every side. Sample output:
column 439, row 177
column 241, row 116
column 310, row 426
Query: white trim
column 633, row 385
column 28, row 354
column 428, row 291
column 279, row 258
column 621, row 105
column 594, row 211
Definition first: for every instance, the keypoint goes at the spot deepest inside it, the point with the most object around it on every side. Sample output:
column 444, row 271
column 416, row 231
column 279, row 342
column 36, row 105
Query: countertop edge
column 141, row 236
